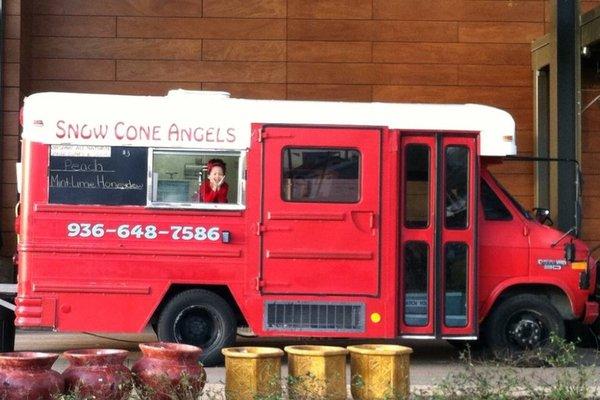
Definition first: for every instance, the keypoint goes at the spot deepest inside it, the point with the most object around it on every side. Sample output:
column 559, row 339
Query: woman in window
column 214, row 189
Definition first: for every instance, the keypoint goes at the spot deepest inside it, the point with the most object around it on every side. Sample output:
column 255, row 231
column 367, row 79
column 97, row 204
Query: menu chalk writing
column 118, row 178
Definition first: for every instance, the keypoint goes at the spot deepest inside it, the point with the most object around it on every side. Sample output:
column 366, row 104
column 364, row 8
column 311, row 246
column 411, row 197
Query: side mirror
column 542, row 215
column 570, row 252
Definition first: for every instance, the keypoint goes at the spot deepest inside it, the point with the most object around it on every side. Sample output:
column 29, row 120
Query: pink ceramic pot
column 98, row 372
column 28, row 375
column 169, row 369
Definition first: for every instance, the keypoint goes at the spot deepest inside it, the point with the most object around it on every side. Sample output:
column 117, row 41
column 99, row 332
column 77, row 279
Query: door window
column 324, row 175
column 456, row 184
column 455, row 271
column 416, row 279
column 416, row 193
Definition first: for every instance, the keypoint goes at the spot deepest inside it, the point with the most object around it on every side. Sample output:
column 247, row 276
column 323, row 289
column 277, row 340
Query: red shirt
column 207, row 195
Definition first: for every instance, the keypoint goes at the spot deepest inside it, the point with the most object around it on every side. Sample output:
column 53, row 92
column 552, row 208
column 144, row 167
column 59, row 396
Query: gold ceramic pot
column 317, row 372
column 252, row 372
column 379, row 371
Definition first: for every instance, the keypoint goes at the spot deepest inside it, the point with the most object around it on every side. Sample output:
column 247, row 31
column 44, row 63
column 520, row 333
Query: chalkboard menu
column 98, row 175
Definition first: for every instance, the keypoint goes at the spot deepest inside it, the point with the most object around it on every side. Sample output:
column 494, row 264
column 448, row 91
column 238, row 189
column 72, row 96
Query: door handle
column 372, row 220
column 366, row 221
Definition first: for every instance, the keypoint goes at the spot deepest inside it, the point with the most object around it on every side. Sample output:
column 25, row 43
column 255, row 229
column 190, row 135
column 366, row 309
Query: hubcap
column 526, row 331
column 195, row 325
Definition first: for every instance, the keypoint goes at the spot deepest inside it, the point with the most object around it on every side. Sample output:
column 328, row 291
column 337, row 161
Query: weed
column 561, row 375
column 73, row 394
column 311, row 387
column 164, row 388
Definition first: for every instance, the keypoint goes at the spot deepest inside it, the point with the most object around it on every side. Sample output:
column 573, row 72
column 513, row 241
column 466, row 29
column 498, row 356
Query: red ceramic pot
column 98, row 372
column 167, row 370
column 28, row 375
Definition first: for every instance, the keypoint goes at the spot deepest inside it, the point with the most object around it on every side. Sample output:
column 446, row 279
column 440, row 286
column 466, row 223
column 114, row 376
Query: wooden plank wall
column 435, row 51
column 590, row 131
column 11, row 72
column 438, row 51
column 590, row 127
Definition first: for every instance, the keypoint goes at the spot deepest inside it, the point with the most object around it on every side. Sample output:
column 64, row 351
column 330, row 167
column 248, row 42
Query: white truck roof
column 213, row 120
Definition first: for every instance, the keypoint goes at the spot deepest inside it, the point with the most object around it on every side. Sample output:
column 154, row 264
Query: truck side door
column 438, row 230
column 319, row 226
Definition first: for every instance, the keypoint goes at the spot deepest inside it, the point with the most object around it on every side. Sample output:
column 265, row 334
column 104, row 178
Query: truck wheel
column 522, row 323
column 200, row 318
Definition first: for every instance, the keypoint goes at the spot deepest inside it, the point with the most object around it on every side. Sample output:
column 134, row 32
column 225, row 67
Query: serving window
column 176, row 179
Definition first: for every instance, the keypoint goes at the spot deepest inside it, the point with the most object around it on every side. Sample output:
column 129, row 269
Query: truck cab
column 533, row 277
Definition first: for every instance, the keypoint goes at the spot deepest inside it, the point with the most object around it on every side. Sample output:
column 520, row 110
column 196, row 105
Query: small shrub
column 73, row 394
column 186, row 388
column 357, row 383
column 309, row 387
column 561, row 375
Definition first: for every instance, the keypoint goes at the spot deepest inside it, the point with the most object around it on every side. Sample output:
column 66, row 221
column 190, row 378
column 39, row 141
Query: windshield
column 513, row 201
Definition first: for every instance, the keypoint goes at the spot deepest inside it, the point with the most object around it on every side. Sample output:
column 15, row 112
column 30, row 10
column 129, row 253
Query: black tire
column 521, row 323
column 201, row 318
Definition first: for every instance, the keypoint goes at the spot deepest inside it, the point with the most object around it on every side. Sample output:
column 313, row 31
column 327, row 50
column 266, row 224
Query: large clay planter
column 98, row 372
column 252, row 372
column 167, row 370
column 379, row 371
column 317, row 372
column 28, row 375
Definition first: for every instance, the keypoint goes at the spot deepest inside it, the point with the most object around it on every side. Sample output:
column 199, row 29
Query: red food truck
column 354, row 220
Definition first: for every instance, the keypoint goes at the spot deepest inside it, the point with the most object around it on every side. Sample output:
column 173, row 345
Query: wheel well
column 220, row 290
column 555, row 295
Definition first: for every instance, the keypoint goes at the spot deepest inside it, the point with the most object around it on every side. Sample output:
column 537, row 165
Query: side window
column 493, row 208
column 323, row 175
column 192, row 179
